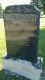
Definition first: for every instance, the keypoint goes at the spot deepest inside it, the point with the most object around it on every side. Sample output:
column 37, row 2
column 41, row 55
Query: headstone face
column 22, row 30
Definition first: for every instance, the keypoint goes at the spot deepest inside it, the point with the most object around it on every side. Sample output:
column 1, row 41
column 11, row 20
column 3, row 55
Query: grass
column 42, row 40
column 3, row 48
column 2, row 39
column 42, row 45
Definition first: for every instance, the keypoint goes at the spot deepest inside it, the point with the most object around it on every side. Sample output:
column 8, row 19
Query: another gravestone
column 22, row 31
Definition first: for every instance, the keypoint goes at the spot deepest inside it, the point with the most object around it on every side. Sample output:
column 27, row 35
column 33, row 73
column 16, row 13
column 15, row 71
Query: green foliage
column 0, row 7
column 39, row 3
column 44, row 5
column 35, row 2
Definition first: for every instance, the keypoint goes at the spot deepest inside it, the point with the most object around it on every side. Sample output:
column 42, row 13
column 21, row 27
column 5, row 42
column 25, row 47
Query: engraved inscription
column 22, row 17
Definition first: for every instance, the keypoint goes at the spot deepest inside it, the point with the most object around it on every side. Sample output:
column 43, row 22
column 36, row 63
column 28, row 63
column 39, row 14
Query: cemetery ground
column 41, row 49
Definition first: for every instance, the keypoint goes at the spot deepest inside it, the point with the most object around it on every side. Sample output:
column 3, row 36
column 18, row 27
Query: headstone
column 22, row 31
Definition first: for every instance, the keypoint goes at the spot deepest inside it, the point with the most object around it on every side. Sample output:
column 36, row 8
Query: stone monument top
column 21, row 9
column 22, row 31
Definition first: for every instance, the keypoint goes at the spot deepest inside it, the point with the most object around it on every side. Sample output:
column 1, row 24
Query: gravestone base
column 23, row 68
column 21, row 24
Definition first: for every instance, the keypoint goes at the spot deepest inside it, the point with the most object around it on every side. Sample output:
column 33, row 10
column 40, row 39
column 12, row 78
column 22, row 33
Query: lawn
column 2, row 39
column 2, row 42
column 41, row 48
column 42, row 40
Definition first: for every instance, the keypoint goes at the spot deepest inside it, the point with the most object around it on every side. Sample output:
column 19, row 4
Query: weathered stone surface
column 22, row 67
column 22, row 31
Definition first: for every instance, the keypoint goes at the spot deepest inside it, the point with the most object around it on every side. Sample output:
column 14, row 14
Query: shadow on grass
column 42, row 45
column 3, row 76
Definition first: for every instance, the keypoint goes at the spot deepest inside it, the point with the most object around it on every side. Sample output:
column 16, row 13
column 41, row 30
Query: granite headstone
column 22, row 31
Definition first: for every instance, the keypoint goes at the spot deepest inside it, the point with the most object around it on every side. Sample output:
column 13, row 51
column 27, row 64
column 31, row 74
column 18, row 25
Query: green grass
column 3, row 49
column 2, row 39
column 41, row 46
